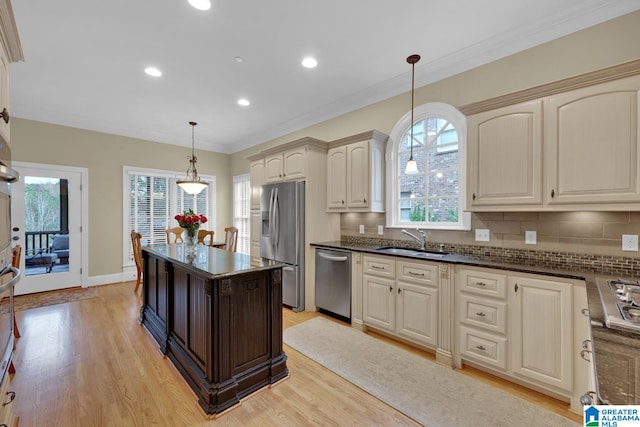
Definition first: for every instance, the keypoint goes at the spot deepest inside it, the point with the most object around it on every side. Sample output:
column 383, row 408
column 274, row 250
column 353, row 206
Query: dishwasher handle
column 332, row 258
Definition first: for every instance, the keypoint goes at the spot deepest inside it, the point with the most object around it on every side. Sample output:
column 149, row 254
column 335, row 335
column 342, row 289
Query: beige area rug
column 431, row 394
column 42, row 299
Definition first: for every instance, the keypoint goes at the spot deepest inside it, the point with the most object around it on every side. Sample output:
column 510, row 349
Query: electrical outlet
column 361, row 228
column 482, row 235
column 530, row 237
column 380, row 230
column 630, row 242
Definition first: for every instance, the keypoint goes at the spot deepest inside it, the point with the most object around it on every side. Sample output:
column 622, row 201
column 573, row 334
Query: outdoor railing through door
column 39, row 241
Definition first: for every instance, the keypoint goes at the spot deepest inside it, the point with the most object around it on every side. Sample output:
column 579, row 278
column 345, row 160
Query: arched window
column 435, row 197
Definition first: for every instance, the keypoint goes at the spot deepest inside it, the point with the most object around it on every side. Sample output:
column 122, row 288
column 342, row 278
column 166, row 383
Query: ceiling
column 84, row 59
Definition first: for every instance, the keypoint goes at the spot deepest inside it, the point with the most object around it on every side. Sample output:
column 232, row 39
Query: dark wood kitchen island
column 217, row 318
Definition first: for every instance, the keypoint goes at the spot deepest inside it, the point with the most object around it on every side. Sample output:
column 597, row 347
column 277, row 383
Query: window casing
column 242, row 211
column 151, row 200
column 435, row 197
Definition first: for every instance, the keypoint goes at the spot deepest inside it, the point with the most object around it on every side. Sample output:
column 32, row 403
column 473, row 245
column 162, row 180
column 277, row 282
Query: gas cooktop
column 621, row 303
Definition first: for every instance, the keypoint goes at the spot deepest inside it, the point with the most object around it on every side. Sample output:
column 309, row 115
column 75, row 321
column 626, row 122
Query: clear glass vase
column 191, row 238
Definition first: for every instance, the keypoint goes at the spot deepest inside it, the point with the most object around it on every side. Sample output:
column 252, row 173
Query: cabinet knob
column 365, row 200
column 342, row 202
column 585, row 312
column 553, row 193
column 583, row 353
column 473, row 196
column 390, row 288
column 399, row 290
column 5, row 115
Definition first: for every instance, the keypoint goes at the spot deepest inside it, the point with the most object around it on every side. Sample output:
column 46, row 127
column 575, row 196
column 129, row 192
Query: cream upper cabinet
column 355, row 173
column 505, row 156
column 337, row 178
column 285, row 166
column 564, row 150
column 591, row 140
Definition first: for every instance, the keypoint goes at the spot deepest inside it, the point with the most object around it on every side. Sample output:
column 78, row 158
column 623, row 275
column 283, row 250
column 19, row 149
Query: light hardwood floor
column 90, row 363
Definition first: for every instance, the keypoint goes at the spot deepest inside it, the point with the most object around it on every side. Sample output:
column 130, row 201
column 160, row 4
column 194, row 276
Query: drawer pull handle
column 583, row 353
column 377, row 267
column 12, row 396
column 481, row 284
column 481, row 348
column 416, row 274
column 481, row 314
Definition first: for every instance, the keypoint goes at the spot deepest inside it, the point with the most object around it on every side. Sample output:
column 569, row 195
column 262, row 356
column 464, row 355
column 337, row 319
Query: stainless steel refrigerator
column 282, row 236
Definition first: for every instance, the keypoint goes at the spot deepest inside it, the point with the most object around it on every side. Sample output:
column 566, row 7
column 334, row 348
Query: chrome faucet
column 422, row 239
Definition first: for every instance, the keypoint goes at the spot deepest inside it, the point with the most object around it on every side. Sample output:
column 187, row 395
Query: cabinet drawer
column 482, row 282
column 486, row 314
column 484, row 348
column 379, row 266
column 423, row 273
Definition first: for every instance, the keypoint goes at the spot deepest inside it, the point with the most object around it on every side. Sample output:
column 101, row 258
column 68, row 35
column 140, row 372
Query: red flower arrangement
column 190, row 221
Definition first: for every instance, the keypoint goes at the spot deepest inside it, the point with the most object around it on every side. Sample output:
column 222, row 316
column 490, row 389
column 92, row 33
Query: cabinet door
column 256, row 175
column 4, row 93
column 379, row 302
column 337, row 178
column 542, row 332
column 591, row 144
column 358, row 175
column 294, row 163
column 505, row 156
column 417, row 313
column 273, row 168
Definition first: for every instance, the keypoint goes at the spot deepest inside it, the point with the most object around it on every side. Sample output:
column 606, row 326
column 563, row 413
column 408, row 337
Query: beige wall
column 104, row 155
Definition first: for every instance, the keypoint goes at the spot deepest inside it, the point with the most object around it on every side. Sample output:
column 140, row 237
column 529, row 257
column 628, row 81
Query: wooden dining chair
column 16, row 253
column 231, row 238
column 202, row 237
column 176, row 232
column 137, row 257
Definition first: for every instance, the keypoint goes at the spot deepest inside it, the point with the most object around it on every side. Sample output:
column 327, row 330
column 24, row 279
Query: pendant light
column 192, row 184
column 412, row 166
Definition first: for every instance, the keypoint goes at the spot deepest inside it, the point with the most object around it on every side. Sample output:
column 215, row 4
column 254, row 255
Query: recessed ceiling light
column 153, row 71
column 244, row 102
column 200, row 4
column 309, row 62
column 239, row 59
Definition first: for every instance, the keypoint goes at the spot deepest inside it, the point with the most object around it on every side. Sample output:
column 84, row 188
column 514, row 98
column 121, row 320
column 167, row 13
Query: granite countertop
column 601, row 336
column 216, row 262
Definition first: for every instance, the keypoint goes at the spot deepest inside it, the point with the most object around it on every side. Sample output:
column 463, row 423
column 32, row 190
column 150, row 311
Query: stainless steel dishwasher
column 333, row 282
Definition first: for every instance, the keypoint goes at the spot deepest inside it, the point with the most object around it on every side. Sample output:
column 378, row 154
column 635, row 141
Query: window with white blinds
column 241, row 211
column 152, row 199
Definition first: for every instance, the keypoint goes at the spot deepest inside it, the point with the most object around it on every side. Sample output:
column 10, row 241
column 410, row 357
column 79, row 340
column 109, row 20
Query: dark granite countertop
column 216, row 262
column 601, row 336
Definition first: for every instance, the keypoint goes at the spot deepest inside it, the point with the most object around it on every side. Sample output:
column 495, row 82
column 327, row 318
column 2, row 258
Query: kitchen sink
column 391, row 250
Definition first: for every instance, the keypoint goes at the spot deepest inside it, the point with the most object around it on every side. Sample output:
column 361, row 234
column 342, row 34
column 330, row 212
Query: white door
column 47, row 202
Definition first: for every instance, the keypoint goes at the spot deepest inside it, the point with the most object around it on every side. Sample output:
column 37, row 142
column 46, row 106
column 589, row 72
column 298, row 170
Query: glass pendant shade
column 192, row 185
column 411, row 168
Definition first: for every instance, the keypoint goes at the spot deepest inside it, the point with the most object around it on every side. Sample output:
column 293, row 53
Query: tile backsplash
column 587, row 241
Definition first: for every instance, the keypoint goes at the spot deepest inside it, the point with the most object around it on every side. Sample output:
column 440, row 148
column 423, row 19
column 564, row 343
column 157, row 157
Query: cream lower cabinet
column 526, row 328
column 401, row 297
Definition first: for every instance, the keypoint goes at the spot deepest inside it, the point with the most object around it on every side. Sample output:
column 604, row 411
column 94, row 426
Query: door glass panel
column 46, row 215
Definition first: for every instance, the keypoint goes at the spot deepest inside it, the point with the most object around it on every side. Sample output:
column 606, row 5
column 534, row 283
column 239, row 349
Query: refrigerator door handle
column 271, row 220
column 332, row 258
column 276, row 217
